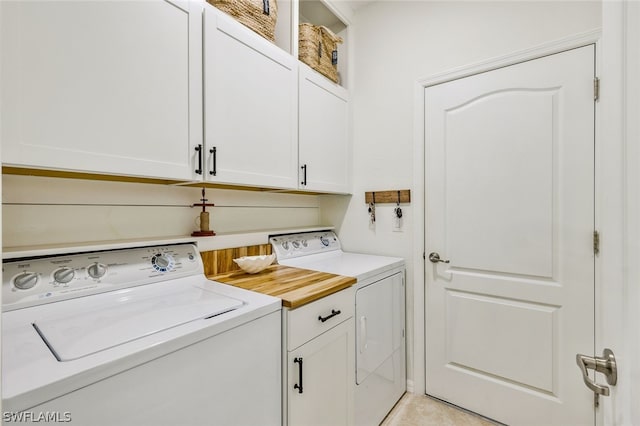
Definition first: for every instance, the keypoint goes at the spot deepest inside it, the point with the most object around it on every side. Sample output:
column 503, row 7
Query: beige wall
column 39, row 210
column 397, row 43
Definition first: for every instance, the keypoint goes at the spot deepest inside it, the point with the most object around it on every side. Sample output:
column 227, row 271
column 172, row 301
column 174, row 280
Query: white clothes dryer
column 380, row 315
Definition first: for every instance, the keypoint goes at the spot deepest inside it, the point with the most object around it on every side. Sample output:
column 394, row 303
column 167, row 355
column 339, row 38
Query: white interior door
column 510, row 203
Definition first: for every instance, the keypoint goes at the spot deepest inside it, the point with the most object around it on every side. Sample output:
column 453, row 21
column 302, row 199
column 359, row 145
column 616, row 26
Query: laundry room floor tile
column 421, row 410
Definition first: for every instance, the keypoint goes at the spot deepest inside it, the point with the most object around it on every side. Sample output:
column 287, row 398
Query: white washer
column 136, row 337
column 380, row 315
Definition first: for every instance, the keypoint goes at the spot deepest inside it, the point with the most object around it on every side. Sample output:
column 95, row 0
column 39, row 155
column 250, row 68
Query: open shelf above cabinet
column 316, row 12
column 321, row 13
column 291, row 13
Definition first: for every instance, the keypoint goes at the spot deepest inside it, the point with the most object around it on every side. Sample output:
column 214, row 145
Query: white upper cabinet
column 323, row 114
column 106, row 87
column 324, row 137
column 170, row 89
column 250, row 107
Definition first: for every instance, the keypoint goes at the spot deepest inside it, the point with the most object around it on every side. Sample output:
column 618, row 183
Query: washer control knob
column 296, row 244
column 25, row 280
column 97, row 270
column 324, row 241
column 63, row 275
column 162, row 262
column 304, row 243
column 285, row 245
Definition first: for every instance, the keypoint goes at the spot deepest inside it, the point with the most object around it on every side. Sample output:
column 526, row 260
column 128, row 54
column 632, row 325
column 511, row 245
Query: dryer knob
column 25, row 280
column 97, row 270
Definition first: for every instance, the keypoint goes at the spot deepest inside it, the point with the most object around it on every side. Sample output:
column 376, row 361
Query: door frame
column 631, row 87
column 604, row 179
column 619, row 294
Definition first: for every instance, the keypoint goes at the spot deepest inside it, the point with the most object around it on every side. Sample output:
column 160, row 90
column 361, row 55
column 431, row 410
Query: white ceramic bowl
column 255, row 264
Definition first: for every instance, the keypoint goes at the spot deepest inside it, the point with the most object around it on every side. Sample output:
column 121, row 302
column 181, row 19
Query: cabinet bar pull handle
column 215, row 161
column 298, row 386
column 304, row 179
column 199, row 151
column 333, row 314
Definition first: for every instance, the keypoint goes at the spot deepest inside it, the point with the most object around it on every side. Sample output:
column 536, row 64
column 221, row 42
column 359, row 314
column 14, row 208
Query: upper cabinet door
column 324, row 134
column 102, row 86
column 250, row 98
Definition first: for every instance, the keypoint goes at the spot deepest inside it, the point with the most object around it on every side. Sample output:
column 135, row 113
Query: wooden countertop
column 295, row 286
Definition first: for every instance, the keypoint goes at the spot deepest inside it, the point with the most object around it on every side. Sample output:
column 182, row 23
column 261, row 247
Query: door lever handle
column 605, row 364
column 435, row 258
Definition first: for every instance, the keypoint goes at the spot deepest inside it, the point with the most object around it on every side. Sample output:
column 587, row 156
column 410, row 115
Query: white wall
column 394, row 44
column 37, row 210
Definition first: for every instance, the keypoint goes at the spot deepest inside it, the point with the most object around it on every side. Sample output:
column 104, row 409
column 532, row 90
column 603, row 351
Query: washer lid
column 126, row 316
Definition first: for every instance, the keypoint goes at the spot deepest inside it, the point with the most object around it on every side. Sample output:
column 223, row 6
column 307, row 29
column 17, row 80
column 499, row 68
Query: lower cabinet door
column 321, row 379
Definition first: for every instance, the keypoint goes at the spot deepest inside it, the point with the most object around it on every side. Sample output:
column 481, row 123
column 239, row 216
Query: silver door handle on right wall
column 605, row 364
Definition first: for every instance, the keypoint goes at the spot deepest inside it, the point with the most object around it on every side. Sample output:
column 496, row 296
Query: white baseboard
column 410, row 386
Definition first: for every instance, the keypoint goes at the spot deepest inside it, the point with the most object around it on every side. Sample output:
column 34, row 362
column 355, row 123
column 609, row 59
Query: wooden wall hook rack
column 391, row 196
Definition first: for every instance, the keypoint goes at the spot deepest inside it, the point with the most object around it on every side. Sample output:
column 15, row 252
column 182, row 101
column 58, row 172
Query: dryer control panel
column 33, row 281
column 296, row 245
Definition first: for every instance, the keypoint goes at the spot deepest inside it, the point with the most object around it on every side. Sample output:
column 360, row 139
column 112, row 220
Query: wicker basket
column 318, row 48
column 259, row 15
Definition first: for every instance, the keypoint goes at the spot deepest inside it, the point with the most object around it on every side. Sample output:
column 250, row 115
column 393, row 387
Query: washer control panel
column 305, row 244
column 33, row 281
column 163, row 262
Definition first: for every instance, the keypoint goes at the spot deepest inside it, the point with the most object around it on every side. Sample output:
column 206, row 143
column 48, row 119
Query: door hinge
column 424, row 256
column 596, row 242
column 596, row 89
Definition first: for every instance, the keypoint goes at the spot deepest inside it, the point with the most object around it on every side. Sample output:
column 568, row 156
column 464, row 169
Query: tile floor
column 421, row 410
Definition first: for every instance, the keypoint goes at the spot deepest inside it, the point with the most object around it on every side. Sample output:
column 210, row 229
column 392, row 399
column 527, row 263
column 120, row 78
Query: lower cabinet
column 320, row 373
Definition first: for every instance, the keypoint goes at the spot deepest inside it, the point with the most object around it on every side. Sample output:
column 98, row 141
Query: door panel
column 502, row 350
column 496, row 183
column 509, row 182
